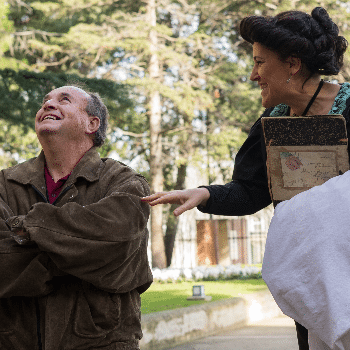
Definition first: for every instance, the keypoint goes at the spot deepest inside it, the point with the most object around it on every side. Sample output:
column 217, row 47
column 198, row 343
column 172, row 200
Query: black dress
column 248, row 191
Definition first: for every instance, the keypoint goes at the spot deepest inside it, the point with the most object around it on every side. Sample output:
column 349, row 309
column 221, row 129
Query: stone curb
column 167, row 329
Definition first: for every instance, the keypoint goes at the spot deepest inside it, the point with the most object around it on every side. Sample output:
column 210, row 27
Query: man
column 73, row 237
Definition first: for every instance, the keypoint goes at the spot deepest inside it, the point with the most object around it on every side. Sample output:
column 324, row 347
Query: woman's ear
column 295, row 64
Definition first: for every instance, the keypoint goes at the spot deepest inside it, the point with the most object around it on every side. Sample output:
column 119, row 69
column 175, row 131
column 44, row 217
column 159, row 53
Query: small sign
column 198, row 293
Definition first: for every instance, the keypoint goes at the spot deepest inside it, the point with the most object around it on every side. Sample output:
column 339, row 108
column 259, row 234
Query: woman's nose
column 254, row 76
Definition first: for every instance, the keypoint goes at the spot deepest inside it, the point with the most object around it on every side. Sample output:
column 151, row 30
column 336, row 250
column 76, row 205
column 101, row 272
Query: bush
column 207, row 273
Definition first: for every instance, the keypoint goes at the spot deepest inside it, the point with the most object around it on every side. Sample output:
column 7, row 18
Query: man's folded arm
column 104, row 243
column 23, row 269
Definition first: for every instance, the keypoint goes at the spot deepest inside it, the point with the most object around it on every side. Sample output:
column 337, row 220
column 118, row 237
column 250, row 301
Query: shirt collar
column 32, row 171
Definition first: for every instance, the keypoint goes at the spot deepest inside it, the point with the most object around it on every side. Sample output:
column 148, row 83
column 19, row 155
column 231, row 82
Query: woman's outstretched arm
column 187, row 199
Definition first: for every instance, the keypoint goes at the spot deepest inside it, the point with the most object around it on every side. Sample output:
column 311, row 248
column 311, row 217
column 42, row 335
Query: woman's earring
column 289, row 79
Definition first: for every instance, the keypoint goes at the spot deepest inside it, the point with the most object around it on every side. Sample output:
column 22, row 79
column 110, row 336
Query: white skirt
column 307, row 262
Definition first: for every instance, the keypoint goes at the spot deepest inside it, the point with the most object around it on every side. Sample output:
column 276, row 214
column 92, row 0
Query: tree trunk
column 156, row 171
column 172, row 221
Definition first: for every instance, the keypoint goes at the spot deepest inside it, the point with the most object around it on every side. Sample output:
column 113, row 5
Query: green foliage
column 6, row 26
column 201, row 70
column 208, row 102
column 22, row 94
column 18, row 144
column 222, row 277
column 6, row 31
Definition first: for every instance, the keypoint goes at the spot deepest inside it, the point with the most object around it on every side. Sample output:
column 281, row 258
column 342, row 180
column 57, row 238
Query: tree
column 155, row 122
column 7, row 29
column 185, row 60
column 22, row 95
column 62, row 45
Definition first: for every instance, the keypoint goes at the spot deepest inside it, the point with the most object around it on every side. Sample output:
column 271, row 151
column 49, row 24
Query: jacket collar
column 32, row 171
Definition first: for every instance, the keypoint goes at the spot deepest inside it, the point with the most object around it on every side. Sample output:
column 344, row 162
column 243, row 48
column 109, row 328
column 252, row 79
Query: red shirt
column 53, row 188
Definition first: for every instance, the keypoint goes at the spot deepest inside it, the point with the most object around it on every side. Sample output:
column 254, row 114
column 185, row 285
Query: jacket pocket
column 9, row 341
column 17, row 325
column 5, row 342
column 97, row 313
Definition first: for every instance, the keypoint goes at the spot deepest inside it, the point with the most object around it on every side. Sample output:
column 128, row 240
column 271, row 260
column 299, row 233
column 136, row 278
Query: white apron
column 307, row 262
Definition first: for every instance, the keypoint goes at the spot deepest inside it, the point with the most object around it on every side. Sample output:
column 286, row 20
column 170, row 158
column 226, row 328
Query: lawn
column 167, row 296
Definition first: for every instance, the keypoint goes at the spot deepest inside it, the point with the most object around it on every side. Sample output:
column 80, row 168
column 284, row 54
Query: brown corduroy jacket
column 77, row 283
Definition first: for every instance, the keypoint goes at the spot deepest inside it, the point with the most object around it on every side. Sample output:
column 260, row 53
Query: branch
column 167, row 37
column 164, row 131
column 98, row 55
column 186, row 6
column 172, row 130
column 63, row 60
column 22, row 3
column 136, row 67
column 129, row 133
column 41, row 32
column 100, row 4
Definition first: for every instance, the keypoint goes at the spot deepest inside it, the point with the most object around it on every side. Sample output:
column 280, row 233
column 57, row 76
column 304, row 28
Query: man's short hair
column 95, row 107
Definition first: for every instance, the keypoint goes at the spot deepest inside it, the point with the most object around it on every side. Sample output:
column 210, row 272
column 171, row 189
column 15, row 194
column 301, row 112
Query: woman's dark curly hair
column 314, row 39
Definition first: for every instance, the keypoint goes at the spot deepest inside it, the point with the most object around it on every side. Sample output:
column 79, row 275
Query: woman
column 291, row 51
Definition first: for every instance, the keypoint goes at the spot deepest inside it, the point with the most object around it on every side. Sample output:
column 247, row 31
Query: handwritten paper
column 307, row 169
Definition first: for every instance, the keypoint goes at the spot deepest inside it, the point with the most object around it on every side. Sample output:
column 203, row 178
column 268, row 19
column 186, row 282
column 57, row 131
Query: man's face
column 63, row 113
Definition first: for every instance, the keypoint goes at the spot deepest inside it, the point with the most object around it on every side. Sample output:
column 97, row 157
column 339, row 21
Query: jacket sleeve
column 248, row 191
column 104, row 243
column 24, row 270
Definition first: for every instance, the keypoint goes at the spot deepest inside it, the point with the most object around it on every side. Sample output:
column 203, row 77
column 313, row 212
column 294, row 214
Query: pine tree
column 187, row 66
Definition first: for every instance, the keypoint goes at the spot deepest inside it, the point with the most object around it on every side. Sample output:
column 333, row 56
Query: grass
column 168, row 296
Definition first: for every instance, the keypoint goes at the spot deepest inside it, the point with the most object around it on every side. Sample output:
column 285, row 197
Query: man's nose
column 49, row 104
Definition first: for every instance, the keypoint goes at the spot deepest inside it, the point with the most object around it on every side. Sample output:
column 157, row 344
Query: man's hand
column 187, row 199
column 21, row 237
column 18, row 233
column 22, row 233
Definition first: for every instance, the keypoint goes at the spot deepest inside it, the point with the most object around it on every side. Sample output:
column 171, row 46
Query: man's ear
column 294, row 64
column 94, row 124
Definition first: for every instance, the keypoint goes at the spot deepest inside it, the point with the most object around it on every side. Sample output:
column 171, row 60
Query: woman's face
column 271, row 73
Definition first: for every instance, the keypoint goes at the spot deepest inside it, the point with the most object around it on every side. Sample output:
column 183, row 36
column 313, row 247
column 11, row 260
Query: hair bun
column 314, row 39
column 320, row 15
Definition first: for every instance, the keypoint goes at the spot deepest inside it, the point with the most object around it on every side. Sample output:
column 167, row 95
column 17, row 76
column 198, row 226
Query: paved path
column 275, row 334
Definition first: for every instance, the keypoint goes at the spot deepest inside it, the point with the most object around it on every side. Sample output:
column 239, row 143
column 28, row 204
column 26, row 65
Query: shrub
column 207, row 273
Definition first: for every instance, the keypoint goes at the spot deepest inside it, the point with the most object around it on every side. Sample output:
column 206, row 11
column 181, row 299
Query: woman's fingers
column 194, row 198
column 187, row 199
column 153, row 197
column 163, row 198
column 188, row 205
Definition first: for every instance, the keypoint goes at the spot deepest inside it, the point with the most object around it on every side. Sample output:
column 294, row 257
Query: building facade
column 203, row 239
column 211, row 240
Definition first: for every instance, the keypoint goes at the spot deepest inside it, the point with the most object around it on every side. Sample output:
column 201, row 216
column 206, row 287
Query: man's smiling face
column 63, row 113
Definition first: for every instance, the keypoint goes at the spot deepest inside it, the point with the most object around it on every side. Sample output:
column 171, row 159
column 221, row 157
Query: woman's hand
column 187, row 199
